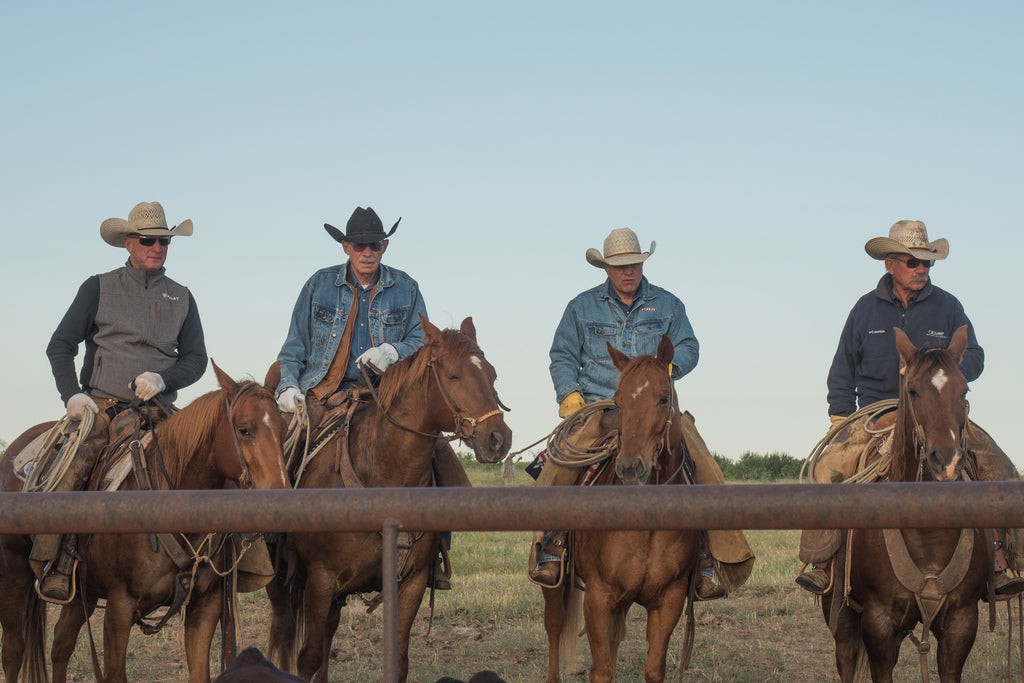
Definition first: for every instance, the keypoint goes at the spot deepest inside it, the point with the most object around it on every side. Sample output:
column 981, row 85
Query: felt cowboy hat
column 364, row 226
column 907, row 237
column 621, row 248
column 146, row 220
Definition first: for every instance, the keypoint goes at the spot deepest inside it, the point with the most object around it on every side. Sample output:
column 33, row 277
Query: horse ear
column 468, row 328
column 226, row 382
column 666, row 352
column 618, row 357
column 958, row 344
column 429, row 328
column 905, row 347
column 273, row 377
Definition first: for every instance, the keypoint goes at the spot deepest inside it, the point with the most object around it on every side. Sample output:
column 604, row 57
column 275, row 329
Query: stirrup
column 48, row 570
column 811, row 587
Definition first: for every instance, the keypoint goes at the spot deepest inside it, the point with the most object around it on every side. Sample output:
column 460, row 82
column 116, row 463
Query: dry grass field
column 769, row 630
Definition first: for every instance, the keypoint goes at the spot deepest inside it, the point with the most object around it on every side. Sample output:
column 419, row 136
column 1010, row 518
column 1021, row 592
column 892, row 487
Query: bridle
column 459, row 421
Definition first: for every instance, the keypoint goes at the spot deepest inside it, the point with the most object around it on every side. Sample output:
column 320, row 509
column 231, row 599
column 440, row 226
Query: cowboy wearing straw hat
column 865, row 371
column 632, row 314
column 143, row 340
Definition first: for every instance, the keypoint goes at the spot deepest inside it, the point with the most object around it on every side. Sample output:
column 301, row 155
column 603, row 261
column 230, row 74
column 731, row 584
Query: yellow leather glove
column 836, row 419
column 570, row 404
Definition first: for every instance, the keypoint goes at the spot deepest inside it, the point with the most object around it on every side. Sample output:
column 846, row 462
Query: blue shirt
column 579, row 354
column 866, row 367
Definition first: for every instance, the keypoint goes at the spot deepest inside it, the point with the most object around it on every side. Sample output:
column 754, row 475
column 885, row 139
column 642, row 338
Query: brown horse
column 946, row 569
column 231, row 434
column 447, row 385
column 619, row 568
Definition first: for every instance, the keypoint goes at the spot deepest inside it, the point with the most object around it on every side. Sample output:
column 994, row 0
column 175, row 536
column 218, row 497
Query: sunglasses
column 914, row 263
column 359, row 247
column 150, row 241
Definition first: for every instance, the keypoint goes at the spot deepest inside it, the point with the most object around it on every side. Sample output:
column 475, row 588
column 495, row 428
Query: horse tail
column 569, row 639
column 33, row 656
column 287, row 628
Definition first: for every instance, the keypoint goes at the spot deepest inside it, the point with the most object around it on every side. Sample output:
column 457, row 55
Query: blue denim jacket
column 579, row 356
column 320, row 314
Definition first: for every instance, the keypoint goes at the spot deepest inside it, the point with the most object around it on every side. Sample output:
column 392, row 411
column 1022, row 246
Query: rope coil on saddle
column 563, row 452
column 877, row 469
column 44, row 476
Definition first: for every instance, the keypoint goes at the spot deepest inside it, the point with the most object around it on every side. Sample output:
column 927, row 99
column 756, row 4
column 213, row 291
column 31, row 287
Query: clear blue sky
column 760, row 144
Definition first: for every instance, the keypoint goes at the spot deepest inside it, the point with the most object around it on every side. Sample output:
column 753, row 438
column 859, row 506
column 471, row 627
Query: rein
column 460, row 421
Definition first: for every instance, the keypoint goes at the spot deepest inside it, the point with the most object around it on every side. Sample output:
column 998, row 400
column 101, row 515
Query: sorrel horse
column 446, row 385
column 651, row 568
column 231, row 434
column 935, row 577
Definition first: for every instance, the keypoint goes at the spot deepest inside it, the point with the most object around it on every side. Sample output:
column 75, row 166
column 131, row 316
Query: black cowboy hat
column 364, row 226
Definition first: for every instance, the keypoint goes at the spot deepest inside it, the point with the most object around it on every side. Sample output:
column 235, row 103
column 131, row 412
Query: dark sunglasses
column 150, row 241
column 913, row 263
column 362, row 246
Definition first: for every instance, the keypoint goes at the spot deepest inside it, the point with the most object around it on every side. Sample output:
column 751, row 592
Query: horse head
column 247, row 446
column 647, row 404
column 464, row 395
column 933, row 408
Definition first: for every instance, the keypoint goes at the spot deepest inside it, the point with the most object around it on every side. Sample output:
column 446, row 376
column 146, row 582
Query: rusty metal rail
column 779, row 506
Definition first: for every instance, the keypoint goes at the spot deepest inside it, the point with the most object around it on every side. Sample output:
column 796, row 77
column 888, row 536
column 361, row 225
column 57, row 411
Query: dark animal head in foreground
column 252, row 667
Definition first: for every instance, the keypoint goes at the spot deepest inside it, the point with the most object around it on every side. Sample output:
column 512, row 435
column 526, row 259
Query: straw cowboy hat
column 907, row 237
column 146, row 220
column 621, row 248
column 364, row 226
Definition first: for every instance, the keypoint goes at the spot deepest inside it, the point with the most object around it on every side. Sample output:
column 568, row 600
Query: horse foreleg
column 600, row 611
column 117, row 626
column 883, row 646
column 410, row 595
column 661, row 622
column 554, row 621
column 316, row 603
column 65, row 637
column 281, row 645
column 201, row 617
column 956, row 638
column 847, row 639
column 23, row 618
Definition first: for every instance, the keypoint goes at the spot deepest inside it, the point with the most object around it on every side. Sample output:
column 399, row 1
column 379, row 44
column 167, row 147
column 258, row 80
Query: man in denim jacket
column 633, row 314
column 359, row 314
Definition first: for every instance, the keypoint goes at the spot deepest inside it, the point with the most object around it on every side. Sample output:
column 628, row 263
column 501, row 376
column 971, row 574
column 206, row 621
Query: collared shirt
column 579, row 352
column 866, row 365
column 361, row 332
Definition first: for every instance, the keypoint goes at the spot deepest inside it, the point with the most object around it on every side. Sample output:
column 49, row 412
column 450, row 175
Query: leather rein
column 460, row 421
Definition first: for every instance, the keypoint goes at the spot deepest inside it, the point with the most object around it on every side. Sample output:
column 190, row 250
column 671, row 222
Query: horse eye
column 244, row 431
column 663, row 401
column 914, row 394
column 451, row 376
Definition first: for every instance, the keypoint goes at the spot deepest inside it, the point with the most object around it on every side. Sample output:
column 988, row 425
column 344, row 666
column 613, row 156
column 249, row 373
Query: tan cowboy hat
column 907, row 237
column 146, row 220
column 621, row 248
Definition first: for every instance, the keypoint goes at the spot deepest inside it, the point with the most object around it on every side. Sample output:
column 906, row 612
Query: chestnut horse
column 946, row 569
column 231, row 434
column 619, row 568
column 446, row 385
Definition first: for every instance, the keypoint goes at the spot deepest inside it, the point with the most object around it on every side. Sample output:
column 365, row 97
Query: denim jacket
column 579, row 355
column 320, row 314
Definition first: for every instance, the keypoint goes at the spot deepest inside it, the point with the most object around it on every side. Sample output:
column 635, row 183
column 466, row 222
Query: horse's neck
column 388, row 455
column 181, row 459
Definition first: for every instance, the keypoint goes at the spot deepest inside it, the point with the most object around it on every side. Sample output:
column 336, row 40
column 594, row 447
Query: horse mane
column 189, row 432
column 394, row 380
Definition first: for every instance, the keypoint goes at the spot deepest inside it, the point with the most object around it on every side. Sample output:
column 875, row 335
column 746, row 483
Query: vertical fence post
column 389, row 569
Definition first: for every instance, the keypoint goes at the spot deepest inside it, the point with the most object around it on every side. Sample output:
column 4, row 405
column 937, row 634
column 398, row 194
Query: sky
column 759, row 144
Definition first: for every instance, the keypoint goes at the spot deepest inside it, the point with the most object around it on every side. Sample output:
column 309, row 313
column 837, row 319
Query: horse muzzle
column 634, row 471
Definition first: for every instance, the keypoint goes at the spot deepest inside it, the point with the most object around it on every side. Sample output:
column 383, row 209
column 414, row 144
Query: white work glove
column 148, row 385
column 288, row 398
column 378, row 358
column 80, row 404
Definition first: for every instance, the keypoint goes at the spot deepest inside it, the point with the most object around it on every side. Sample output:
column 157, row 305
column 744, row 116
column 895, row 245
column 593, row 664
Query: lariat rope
column 877, row 469
column 567, row 454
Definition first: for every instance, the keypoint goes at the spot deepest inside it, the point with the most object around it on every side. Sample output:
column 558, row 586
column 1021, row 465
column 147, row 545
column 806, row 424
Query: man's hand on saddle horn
column 79, row 404
column 289, row 398
column 148, row 385
column 378, row 358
